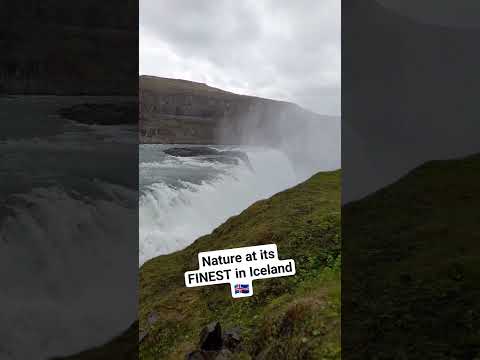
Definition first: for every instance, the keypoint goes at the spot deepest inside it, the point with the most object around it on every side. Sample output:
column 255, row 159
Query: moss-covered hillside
column 417, row 246
column 295, row 317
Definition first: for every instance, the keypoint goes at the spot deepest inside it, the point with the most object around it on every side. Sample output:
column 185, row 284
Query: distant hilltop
column 181, row 111
column 177, row 86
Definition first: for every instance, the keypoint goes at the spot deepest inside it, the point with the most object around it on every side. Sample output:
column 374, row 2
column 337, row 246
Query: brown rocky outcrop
column 180, row 111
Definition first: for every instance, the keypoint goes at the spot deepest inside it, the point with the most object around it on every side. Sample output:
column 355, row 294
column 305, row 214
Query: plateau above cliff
column 181, row 111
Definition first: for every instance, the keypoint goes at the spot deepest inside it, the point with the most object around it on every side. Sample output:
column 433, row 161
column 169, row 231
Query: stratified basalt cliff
column 68, row 48
column 180, row 111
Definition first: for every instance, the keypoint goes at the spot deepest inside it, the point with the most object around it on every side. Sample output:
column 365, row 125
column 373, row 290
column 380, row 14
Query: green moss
column 294, row 317
column 417, row 243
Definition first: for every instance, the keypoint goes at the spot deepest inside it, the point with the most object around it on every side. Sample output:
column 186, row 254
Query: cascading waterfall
column 68, row 230
column 175, row 213
column 44, row 267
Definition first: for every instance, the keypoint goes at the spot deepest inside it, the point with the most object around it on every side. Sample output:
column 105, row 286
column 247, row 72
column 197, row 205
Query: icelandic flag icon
column 242, row 288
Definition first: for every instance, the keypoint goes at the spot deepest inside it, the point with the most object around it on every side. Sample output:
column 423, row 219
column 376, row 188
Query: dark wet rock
column 190, row 152
column 102, row 114
column 223, row 354
column 195, row 355
column 222, row 159
column 210, row 154
column 215, row 345
column 232, row 338
column 211, row 337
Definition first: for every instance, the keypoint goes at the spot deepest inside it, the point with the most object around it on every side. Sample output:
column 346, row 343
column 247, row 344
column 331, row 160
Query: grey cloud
column 289, row 50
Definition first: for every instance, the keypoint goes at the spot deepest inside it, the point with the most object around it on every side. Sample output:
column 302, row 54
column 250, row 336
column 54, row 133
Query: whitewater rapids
column 182, row 199
column 68, row 229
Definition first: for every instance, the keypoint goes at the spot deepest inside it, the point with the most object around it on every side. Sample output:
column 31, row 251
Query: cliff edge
column 181, row 111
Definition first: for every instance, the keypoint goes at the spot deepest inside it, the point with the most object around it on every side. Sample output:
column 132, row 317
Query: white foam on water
column 61, row 292
column 171, row 218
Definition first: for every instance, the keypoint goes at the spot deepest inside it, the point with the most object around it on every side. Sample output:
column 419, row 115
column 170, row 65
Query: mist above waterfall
column 183, row 198
column 311, row 141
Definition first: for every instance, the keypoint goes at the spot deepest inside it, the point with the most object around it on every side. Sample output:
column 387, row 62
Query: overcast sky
column 280, row 49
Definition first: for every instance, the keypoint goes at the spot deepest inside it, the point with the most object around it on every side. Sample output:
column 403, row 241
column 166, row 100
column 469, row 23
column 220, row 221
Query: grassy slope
column 417, row 243
column 290, row 318
column 123, row 347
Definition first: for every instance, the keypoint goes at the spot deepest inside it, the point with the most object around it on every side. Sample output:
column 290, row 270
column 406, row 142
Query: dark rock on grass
column 102, row 114
column 152, row 318
column 232, row 338
column 211, row 337
column 215, row 346
column 223, row 354
column 195, row 355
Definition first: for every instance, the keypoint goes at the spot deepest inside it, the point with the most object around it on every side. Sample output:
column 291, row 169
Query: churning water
column 182, row 198
column 67, row 229
column 68, row 219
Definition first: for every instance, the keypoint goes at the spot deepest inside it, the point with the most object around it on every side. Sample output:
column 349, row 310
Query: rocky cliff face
column 179, row 111
column 55, row 47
